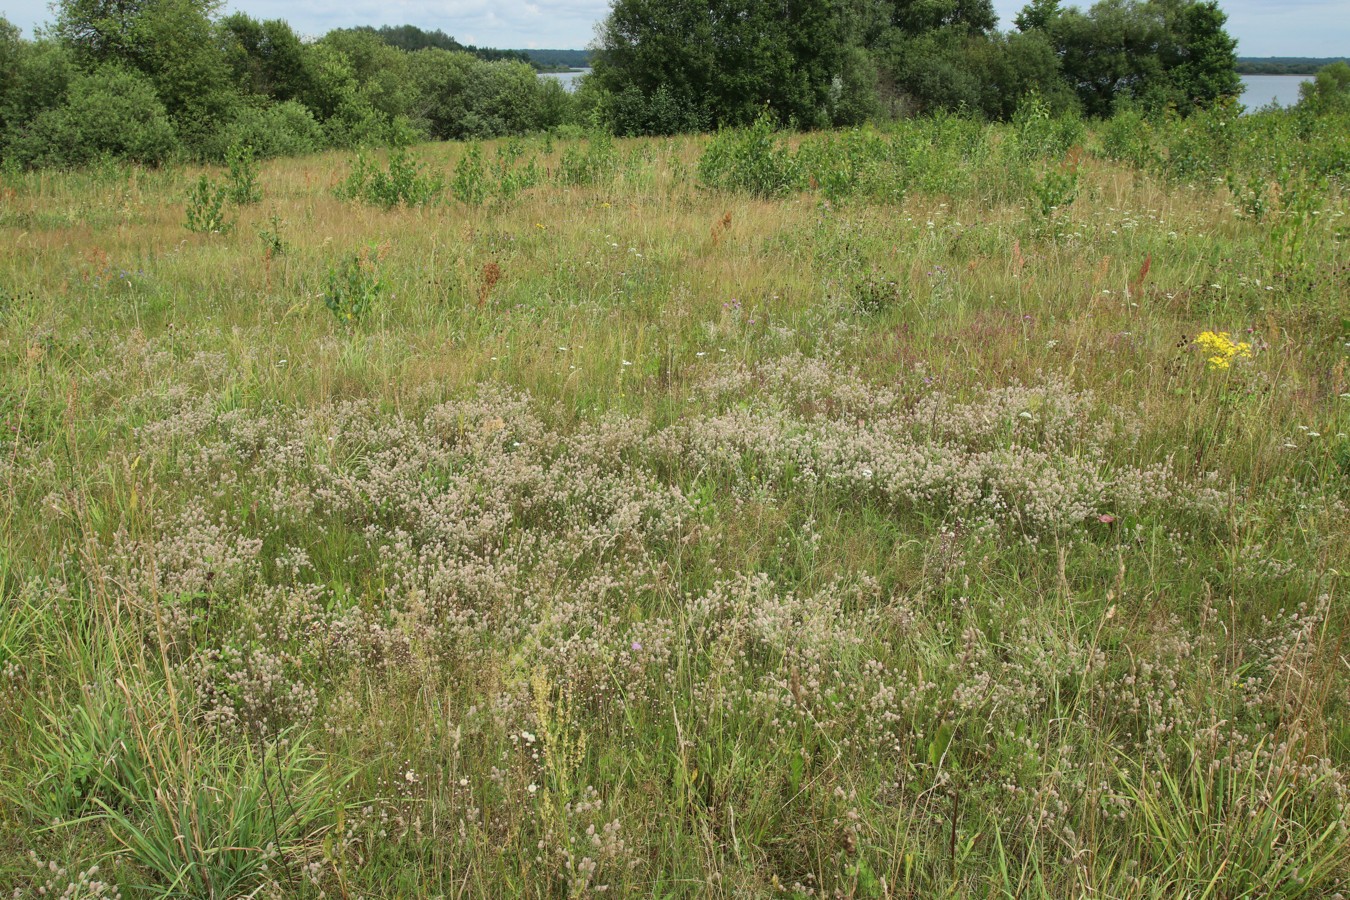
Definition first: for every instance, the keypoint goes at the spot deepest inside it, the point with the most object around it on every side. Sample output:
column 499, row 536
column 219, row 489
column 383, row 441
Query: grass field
column 951, row 511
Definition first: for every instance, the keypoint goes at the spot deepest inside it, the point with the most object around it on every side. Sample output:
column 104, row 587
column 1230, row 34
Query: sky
column 1262, row 27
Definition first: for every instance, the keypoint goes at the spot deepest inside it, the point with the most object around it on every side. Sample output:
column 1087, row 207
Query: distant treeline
column 1285, row 65
column 153, row 81
column 411, row 38
column 558, row 59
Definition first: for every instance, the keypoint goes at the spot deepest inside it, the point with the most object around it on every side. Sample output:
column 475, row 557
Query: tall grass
column 855, row 514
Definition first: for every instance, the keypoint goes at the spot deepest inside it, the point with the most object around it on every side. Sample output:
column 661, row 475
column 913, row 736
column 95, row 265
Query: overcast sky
column 1262, row 27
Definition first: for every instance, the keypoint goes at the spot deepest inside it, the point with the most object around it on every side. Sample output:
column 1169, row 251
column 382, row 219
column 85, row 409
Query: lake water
column 1258, row 90
column 568, row 79
column 1262, row 90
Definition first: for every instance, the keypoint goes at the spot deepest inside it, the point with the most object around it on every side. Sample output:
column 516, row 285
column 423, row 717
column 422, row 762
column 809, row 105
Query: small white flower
column 532, row 788
column 627, row 363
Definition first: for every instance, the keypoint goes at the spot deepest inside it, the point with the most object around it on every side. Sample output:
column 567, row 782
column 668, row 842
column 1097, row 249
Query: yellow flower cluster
column 1221, row 348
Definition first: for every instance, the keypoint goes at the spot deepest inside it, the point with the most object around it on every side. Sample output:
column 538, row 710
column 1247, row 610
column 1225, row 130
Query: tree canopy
column 1156, row 53
column 195, row 82
column 153, row 80
column 723, row 61
column 664, row 63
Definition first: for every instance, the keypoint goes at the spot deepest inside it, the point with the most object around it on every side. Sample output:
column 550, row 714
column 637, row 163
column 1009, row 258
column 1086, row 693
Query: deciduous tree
column 1157, row 54
column 723, row 61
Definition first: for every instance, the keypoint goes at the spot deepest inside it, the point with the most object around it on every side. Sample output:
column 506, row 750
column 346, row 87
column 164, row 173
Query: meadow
column 942, row 510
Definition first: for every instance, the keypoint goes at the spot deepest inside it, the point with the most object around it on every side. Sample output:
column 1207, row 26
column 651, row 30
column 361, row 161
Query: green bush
column 1055, row 188
column 1200, row 147
column 662, row 112
column 206, row 207
column 595, row 163
column 353, row 288
column 512, row 176
column 111, row 113
column 752, row 160
column 856, row 163
column 243, row 178
column 402, row 181
column 470, row 184
column 1038, row 133
column 286, row 129
column 504, row 97
column 1128, row 137
column 274, row 243
column 35, row 77
column 474, row 183
column 1329, row 92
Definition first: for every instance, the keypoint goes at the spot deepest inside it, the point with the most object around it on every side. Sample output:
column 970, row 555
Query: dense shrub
column 1329, row 92
column 205, row 210
column 461, row 97
column 402, row 181
column 595, row 163
column 503, row 98
column 754, row 160
column 1128, row 137
column 33, row 77
column 286, row 129
column 1039, row 133
column 112, row 112
column 855, row 163
column 633, row 112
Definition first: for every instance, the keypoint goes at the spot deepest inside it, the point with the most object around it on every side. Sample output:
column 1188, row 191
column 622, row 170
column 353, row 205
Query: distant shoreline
column 1284, row 65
